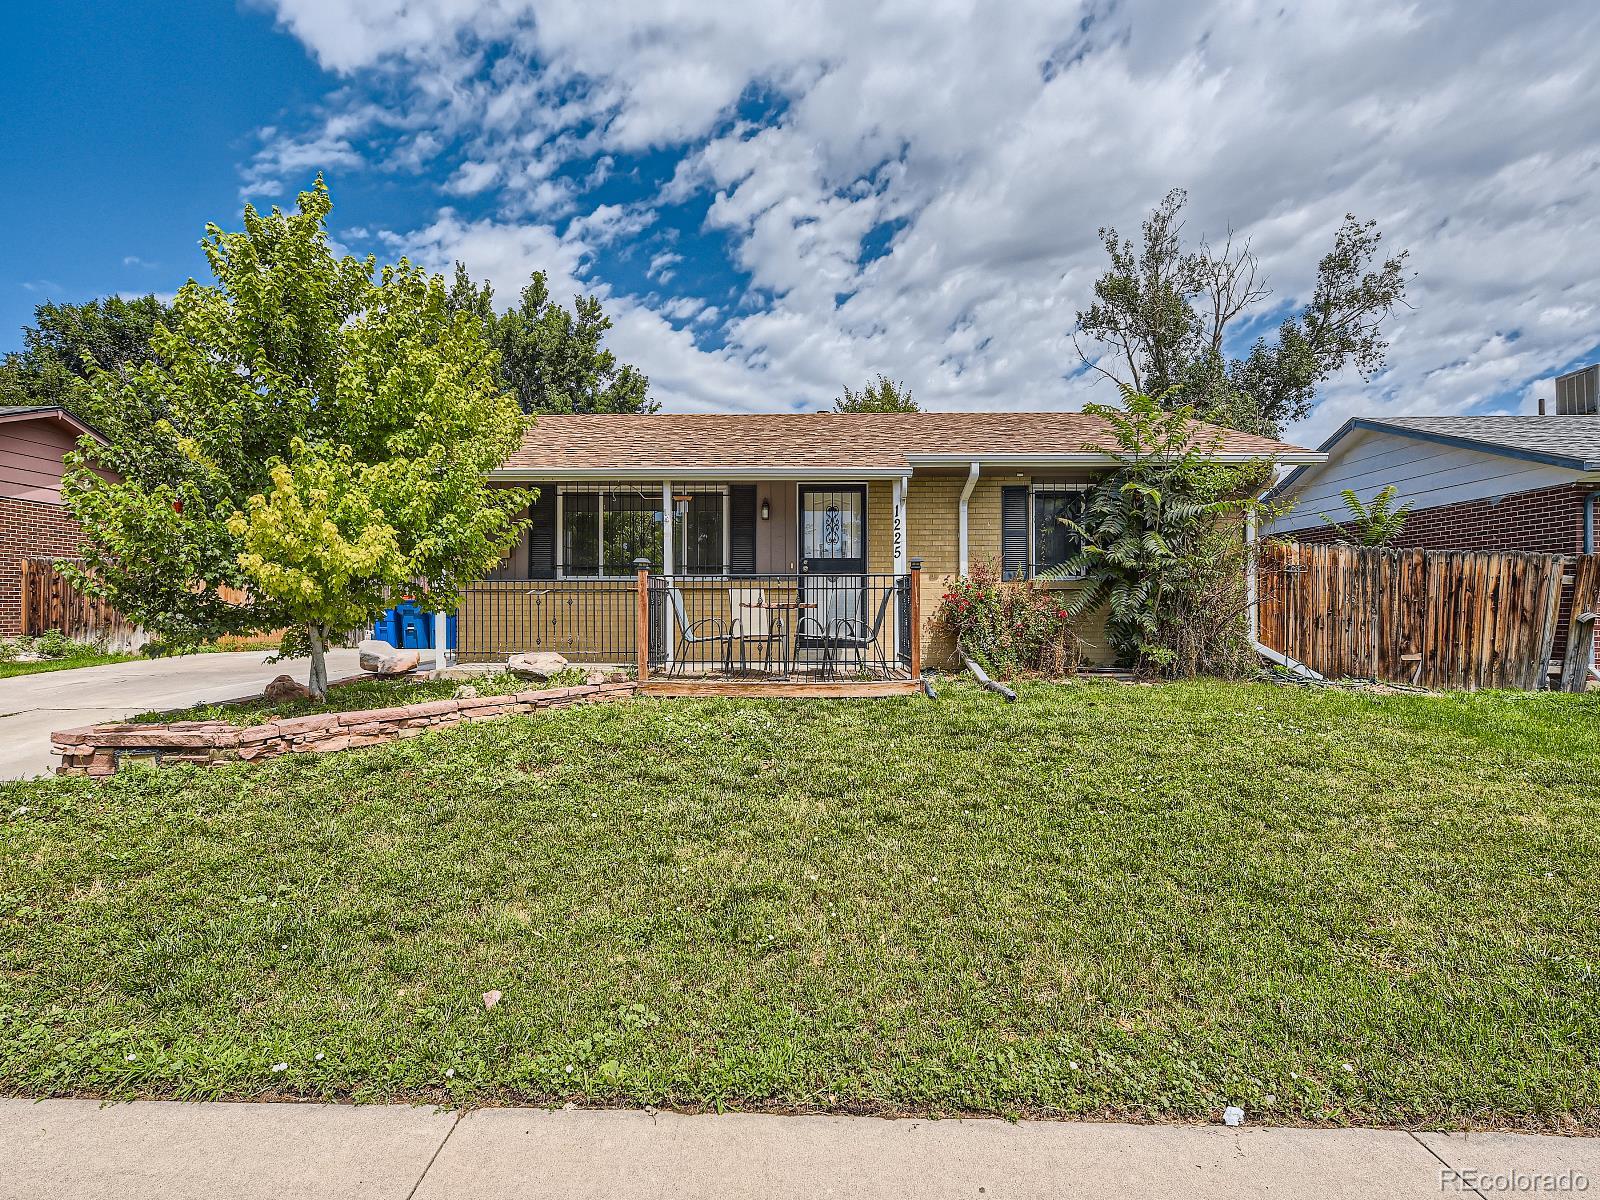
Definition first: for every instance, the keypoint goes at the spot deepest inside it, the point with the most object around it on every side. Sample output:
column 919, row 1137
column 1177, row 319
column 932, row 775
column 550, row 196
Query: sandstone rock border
column 99, row 750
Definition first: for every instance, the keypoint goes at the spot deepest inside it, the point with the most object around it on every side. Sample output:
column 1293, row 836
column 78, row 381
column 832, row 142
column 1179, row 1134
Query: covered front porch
column 785, row 582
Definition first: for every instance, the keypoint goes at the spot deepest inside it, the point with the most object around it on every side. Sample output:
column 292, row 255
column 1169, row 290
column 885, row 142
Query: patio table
column 776, row 606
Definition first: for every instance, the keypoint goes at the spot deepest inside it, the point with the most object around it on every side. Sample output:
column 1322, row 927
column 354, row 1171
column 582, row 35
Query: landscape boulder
column 540, row 665
column 383, row 659
column 284, row 688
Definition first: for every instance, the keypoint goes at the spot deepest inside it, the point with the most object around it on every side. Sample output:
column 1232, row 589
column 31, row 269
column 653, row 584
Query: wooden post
column 642, row 622
column 1580, row 630
column 916, row 618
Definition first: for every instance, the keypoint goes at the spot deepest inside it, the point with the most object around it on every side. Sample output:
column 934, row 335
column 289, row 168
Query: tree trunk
column 318, row 683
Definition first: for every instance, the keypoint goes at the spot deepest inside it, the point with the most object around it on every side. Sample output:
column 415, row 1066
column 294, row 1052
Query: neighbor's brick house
column 33, row 524
column 1515, row 482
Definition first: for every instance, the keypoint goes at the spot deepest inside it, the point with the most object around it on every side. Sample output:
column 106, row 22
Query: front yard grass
column 11, row 668
column 1103, row 900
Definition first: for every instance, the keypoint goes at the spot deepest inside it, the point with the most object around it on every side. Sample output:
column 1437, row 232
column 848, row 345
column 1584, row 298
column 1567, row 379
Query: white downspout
column 966, row 494
column 1251, row 602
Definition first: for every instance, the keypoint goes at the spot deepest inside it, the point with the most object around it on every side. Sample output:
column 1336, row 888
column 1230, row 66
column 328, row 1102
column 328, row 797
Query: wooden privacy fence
column 1439, row 619
column 49, row 601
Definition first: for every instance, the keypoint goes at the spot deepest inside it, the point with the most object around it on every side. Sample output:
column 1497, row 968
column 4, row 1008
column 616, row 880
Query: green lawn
column 13, row 668
column 1103, row 900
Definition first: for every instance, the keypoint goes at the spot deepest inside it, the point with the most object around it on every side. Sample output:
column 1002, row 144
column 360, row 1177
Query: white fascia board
column 681, row 475
column 1015, row 461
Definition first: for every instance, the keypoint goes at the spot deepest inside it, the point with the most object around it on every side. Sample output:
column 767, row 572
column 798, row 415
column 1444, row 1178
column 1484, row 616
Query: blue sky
column 124, row 129
column 776, row 200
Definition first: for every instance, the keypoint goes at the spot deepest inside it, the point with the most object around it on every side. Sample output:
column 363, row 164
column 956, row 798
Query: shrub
column 1163, row 547
column 1009, row 627
column 55, row 644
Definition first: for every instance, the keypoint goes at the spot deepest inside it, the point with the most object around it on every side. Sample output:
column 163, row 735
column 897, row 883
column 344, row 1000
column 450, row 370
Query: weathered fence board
column 1442, row 619
column 1581, row 625
column 49, row 601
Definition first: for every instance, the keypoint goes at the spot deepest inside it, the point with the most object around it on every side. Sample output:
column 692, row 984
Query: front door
column 833, row 559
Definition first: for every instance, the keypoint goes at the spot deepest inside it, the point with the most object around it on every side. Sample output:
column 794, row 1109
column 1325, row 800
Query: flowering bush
column 1009, row 627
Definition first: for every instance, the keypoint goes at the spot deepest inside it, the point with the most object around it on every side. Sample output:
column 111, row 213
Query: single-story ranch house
column 786, row 525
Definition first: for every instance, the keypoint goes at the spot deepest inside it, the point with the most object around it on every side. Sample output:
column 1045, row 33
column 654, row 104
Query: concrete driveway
column 31, row 706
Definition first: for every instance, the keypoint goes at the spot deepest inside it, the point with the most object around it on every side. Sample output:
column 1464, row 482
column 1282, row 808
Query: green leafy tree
column 69, row 343
column 881, row 395
column 552, row 358
column 327, row 432
column 1163, row 318
column 1376, row 523
column 1161, row 547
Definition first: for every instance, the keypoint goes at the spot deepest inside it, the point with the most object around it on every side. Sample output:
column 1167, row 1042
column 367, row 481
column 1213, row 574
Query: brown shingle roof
column 878, row 442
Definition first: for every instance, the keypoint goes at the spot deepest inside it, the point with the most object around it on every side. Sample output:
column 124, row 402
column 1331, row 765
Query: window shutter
column 1013, row 533
column 542, row 534
column 742, row 529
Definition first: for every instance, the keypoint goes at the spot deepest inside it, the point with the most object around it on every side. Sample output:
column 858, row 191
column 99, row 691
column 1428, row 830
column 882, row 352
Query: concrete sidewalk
column 33, row 706
column 146, row 1151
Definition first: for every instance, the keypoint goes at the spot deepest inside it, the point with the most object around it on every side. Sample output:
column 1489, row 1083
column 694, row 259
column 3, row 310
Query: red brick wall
column 29, row 529
column 1547, row 521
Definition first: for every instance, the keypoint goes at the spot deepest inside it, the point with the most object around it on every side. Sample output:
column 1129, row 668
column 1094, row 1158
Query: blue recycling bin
column 407, row 627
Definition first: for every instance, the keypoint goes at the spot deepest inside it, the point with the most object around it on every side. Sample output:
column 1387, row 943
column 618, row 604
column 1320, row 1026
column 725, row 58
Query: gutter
column 966, row 494
column 1096, row 458
column 697, row 475
column 1252, row 604
column 738, row 474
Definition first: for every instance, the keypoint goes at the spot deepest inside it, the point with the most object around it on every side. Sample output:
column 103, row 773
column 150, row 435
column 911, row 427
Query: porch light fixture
column 766, row 510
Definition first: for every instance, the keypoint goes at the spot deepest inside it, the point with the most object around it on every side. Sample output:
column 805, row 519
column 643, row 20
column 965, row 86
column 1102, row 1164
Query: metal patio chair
column 692, row 633
column 853, row 633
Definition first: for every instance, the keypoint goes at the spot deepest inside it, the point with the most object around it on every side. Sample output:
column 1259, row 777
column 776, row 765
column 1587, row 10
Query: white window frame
column 725, row 492
column 600, row 490
column 1034, row 488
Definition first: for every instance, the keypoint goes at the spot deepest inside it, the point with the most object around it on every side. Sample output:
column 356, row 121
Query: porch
column 694, row 634
column 785, row 582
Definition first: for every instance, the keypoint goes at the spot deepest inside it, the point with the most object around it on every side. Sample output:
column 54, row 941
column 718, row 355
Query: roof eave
column 51, row 412
column 693, row 474
column 1097, row 458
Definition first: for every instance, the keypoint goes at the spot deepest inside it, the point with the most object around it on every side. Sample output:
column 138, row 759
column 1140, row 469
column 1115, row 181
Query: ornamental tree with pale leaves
column 329, row 431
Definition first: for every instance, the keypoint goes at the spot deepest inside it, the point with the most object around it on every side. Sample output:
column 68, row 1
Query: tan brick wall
column 933, row 515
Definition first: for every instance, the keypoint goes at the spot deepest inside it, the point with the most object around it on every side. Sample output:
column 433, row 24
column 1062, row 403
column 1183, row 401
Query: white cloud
column 472, row 177
column 997, row 138
column 661, row 266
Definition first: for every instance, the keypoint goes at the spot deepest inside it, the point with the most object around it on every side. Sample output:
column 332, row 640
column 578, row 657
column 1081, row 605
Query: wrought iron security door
column 833, row 560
